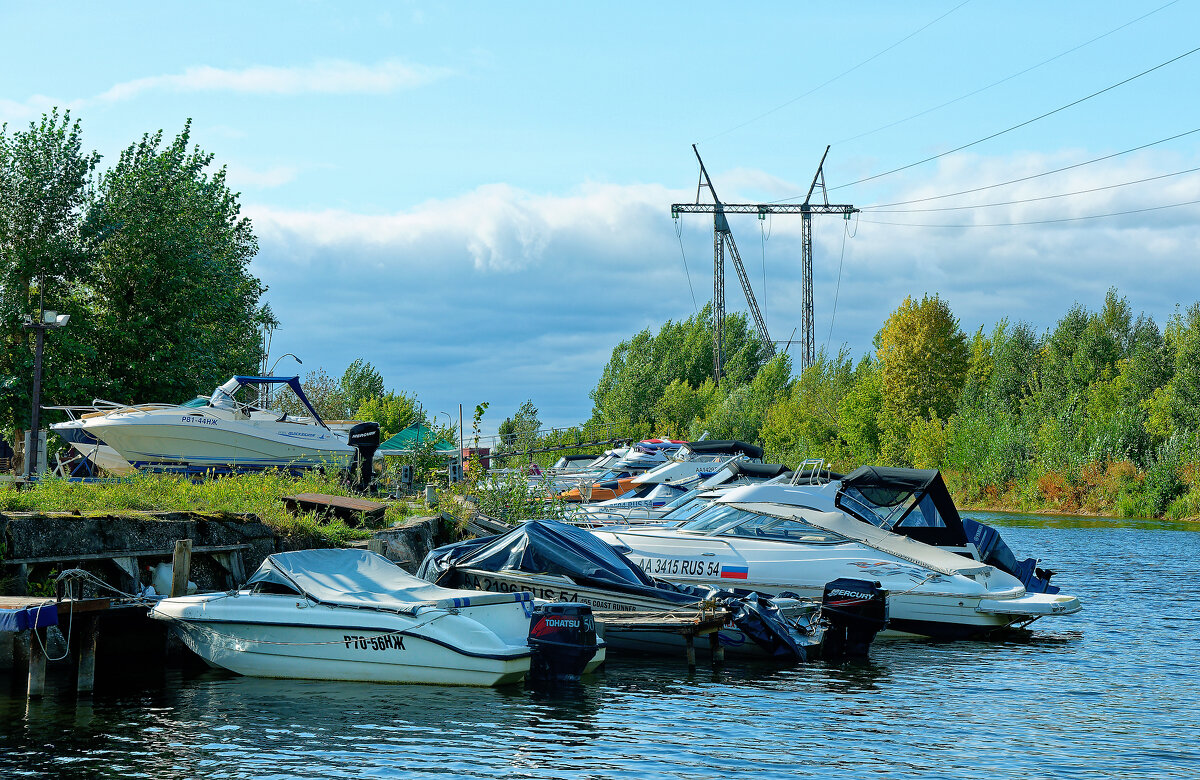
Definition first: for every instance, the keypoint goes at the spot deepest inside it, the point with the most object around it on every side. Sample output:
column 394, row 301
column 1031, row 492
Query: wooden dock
column 78, row 620
column 689, row 625
column 349, row 510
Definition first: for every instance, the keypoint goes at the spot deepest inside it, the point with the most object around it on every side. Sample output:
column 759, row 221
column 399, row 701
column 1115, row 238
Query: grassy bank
column 1108, row 489
column 256, row 494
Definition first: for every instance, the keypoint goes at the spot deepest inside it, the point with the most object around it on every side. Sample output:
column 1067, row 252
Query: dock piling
column 718, row 650
column 37, row 662
column 88, row 633
column 690, row 640
column 181, row 566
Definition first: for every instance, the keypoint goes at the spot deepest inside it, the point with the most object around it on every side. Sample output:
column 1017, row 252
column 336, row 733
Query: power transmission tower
column 722, row 237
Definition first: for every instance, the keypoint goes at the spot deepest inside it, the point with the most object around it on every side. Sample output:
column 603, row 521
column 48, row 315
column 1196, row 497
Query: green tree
column 44, row 178
column 393, row 411
column 923, row 357
column 170, row 306
column 360, row 382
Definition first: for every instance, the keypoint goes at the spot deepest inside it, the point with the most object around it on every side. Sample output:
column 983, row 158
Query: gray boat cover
column 357, row 578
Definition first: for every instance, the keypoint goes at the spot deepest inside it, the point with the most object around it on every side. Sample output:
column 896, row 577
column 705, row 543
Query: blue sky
column 475, row 197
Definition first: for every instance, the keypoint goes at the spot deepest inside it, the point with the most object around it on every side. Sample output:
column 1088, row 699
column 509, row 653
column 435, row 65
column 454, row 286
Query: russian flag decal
column 734, row 572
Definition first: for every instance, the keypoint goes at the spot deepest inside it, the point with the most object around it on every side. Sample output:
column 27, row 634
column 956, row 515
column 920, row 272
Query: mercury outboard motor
column 562, row 638
column 856, row 611
column 364, row 438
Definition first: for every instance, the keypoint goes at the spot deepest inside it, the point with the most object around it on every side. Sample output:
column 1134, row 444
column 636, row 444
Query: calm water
column 1109, row 692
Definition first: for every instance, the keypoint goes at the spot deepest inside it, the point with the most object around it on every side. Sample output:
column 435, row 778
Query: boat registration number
column 384, row 642
column 686, row 567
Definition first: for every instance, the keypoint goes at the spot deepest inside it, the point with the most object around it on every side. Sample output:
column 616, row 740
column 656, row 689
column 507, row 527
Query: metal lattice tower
column 723, row 237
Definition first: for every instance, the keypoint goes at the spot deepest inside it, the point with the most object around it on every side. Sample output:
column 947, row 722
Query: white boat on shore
column 227, row 432
column 354, row 615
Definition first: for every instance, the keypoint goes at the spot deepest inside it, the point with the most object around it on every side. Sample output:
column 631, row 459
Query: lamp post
column 271, row 372
column 49, row 320
column 450, row 424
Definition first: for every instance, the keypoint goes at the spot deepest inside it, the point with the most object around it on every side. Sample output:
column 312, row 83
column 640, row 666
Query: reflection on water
column 1097, row 694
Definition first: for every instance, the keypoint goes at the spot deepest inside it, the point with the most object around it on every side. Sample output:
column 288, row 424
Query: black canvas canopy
column 550, row 547
column 911, row 502
column 757, row 470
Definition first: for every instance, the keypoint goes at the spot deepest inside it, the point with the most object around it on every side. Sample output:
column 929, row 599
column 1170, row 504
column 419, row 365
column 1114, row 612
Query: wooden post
column 181, row 566
column 37, row 662
column 718, row 650
column 377, row 545
column 88, row 632
column 690, row 639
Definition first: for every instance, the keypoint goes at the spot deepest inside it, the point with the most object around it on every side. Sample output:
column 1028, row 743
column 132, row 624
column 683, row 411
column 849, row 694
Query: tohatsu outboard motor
column 364, row 438
column 562, row 641
column 856, row 611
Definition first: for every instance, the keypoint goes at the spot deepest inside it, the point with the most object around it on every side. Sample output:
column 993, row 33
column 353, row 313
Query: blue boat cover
column 357, row 578
column 23, row 618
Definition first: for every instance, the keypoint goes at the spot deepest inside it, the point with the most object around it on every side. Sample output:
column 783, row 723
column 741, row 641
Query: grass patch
column 253, row 494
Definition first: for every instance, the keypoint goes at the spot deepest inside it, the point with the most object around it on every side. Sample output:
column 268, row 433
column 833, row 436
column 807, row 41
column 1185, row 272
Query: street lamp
column 50, row 320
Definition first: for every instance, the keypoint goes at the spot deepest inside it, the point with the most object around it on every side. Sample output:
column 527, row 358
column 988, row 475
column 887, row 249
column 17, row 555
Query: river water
column 1108, row 692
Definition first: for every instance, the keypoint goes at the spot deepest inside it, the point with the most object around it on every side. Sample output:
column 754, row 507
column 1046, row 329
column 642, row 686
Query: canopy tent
column 408, row 439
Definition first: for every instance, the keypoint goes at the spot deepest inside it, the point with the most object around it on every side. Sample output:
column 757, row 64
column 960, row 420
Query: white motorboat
column 354, row 615
column 895, row 526
column 225, row 433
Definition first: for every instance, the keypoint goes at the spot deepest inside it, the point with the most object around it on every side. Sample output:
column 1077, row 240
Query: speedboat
column 353, row 615
column 685, row 462
column 226, row 432
column 559, row 562
column 946, row 577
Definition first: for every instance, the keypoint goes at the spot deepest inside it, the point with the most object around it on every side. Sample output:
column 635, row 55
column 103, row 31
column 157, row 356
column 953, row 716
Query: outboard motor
column 562, row 638
column 856, row 611
column 364, row 438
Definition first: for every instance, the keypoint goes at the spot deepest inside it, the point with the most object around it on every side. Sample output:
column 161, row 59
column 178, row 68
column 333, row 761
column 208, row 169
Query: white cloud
column 324, row 76
column 320, row 77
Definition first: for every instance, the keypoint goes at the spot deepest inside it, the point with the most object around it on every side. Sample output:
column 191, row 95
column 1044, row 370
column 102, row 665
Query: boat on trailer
column 353, row 615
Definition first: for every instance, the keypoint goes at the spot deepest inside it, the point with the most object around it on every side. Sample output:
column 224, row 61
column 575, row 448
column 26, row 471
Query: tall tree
column 923, row 359
column 174, row 307
column 360, row 382
column 44, row 177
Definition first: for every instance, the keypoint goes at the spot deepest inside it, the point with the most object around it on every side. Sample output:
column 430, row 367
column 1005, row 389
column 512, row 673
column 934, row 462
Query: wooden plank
column 64, row 607
column 118, row 554
column 343, row 507
column 37, row 663
column 181, row 567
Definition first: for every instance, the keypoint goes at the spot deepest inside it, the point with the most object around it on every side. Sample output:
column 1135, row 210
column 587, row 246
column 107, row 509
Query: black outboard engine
column 562, row 638
column 364, row 438
column 856, row 611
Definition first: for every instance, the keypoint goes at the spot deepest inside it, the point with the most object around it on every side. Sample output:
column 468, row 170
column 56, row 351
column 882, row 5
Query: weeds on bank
column 256, row 494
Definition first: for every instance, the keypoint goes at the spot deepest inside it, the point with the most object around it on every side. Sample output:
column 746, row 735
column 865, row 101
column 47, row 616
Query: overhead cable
column 835, row 78
column 1010, row 129
column 1034, row 221
column 1006, row 78
column 1031, row 200
column 1035, row 175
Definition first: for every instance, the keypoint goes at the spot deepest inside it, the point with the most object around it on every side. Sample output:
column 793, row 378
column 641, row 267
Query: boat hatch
column 910, row 502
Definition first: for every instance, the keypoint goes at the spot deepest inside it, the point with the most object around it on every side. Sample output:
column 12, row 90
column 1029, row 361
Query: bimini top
column 357, row 578
column 223, row 396
column 551, row 547
column 725, row 447
column 911, row 502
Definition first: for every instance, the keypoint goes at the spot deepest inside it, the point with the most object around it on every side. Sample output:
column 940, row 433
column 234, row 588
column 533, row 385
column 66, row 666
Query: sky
column 475, row 197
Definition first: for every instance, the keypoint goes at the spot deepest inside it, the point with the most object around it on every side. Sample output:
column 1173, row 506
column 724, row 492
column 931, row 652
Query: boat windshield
column 687, row 510
column 722, row 520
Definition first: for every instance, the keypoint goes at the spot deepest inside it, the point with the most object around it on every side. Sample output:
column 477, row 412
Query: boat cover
column 725, row 447
column 551, row 547
column 930, row 515
column 357, row 578
column 842, row 524
column 23, row 618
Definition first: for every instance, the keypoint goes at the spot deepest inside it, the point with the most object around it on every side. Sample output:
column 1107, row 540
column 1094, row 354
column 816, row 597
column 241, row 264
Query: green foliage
column 360, row 382
column 393, row 411
column 519, row 432
column 170, row 308
column 923, row 358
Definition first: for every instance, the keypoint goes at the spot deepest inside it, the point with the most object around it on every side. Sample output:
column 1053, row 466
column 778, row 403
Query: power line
column 835, row 78
column 1033, row 200
column 1035, row 175
column 1006, row 78
column 1035, row 221
column 1014, row 127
